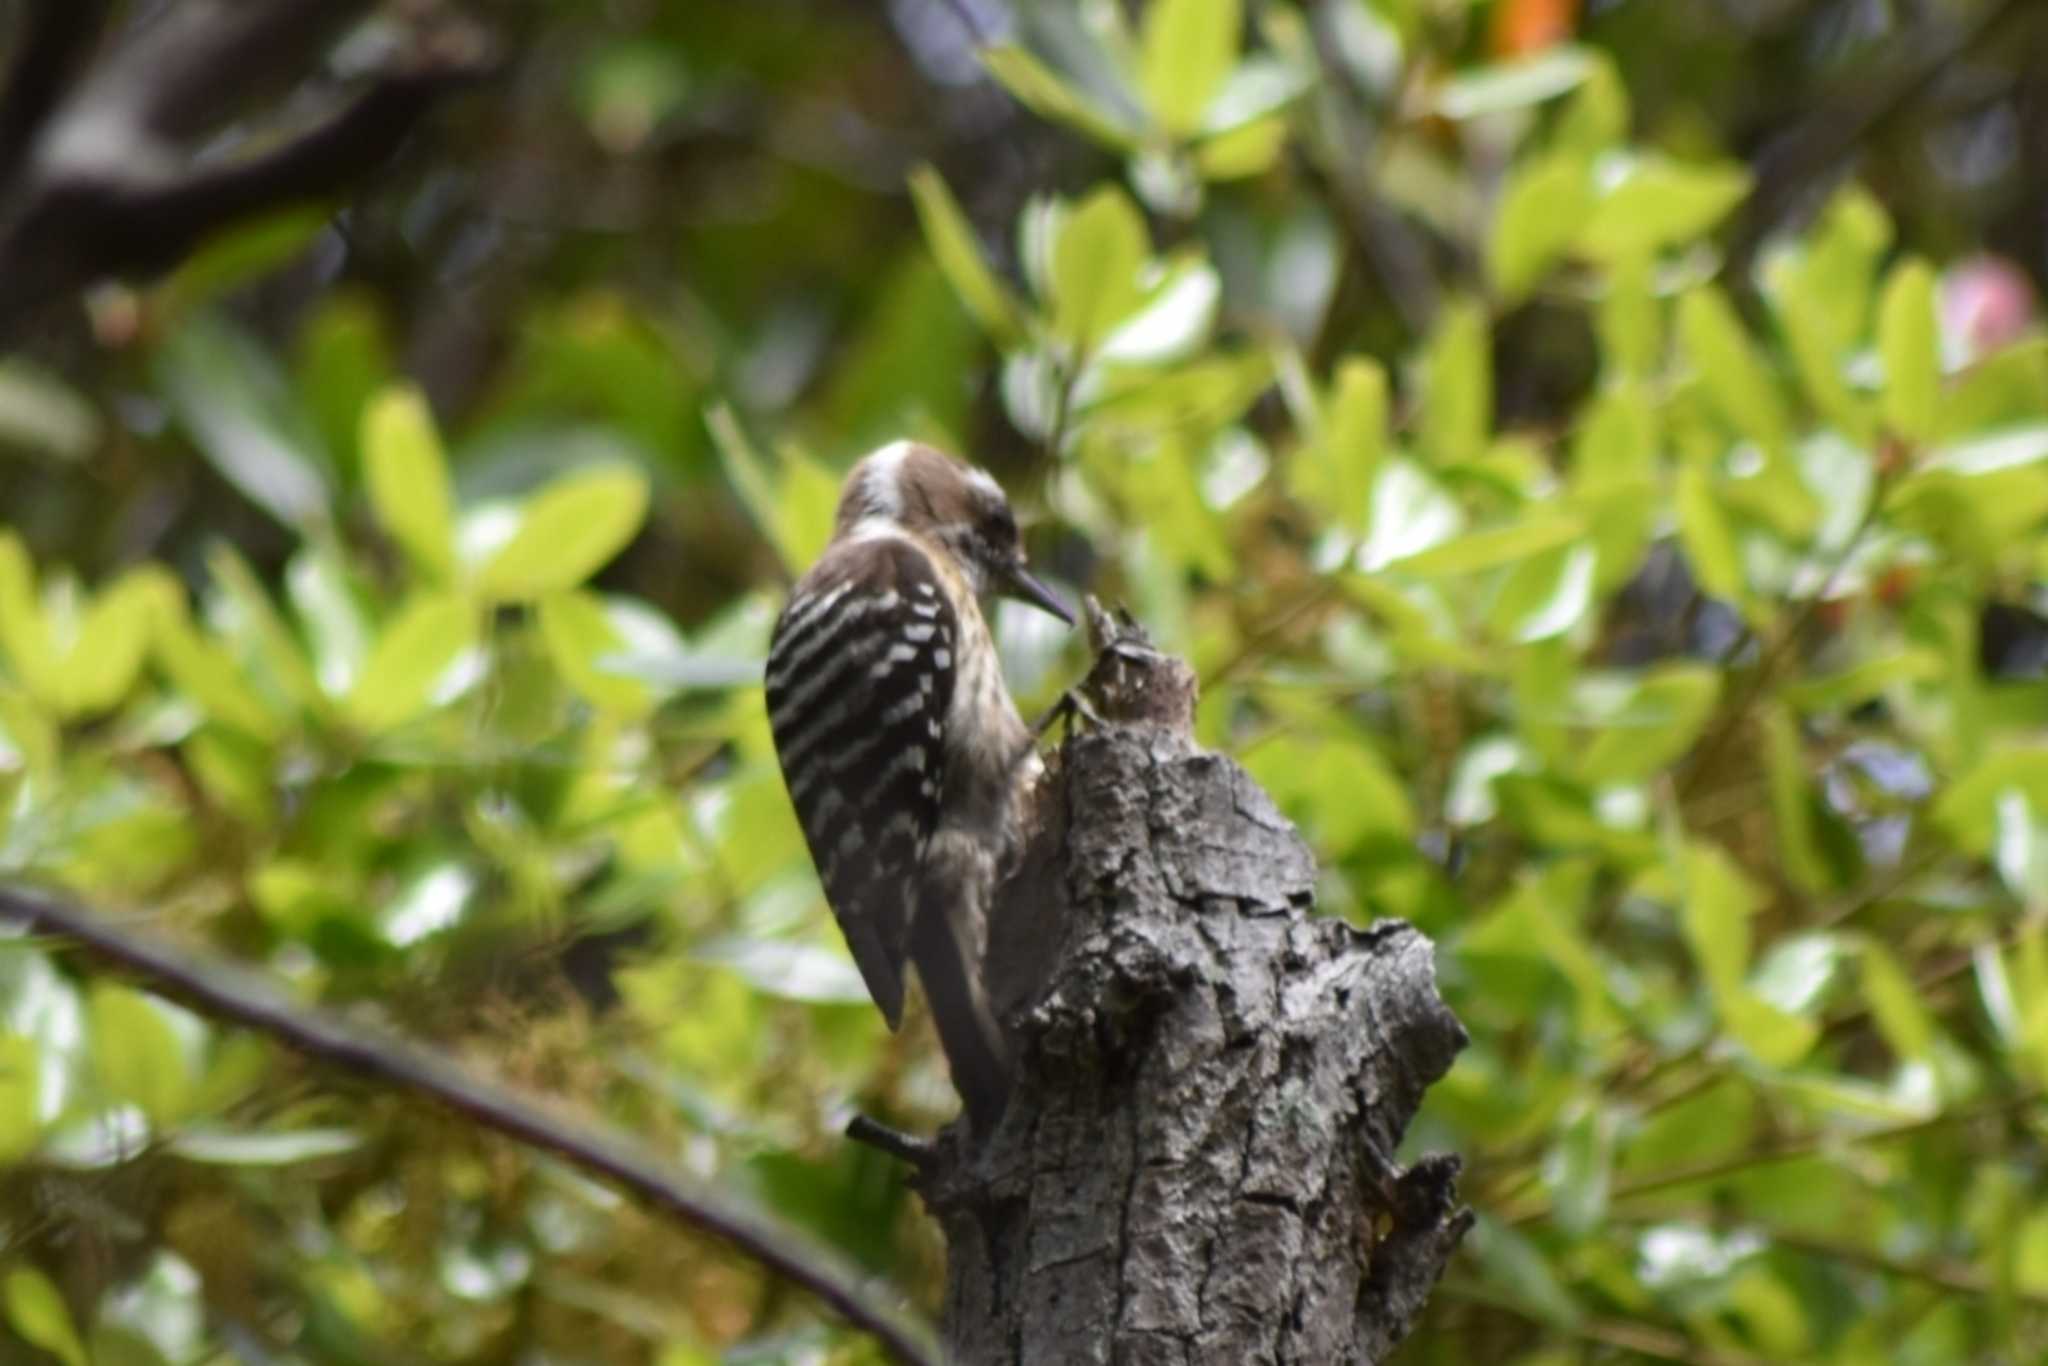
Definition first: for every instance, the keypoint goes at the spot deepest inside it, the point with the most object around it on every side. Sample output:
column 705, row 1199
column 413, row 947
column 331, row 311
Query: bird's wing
column 860, row 676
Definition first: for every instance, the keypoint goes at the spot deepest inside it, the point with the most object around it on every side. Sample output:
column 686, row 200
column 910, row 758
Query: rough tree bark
column 1197, row 1165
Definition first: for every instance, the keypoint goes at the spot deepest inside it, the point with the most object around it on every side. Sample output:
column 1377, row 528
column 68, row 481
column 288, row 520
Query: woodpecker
column 903, row 752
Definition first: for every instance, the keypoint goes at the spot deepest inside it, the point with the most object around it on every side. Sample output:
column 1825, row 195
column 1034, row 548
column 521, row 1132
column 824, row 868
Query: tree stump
column 1211, row 1081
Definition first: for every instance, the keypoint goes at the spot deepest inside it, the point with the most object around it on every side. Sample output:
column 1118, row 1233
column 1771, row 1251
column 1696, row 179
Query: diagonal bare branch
column 229, row 994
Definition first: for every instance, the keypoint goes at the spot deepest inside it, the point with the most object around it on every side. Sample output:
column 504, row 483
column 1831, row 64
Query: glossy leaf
column 415, row 655
column 21, row 1082
column 408, row 479
column 1648, row 203
column 1187, row 48
column 1095, row 263
column 230, row 396
column 1542, row 209
column 954, row 246
column 1911, row 350
column 140, row 1056
column 1735, row 376
column 565, row 533
column 37, row 1311
column 1457, row 385
column 1047, row 94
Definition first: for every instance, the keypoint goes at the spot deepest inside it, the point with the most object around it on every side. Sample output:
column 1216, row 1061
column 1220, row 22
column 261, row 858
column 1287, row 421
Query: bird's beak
column 1024, row 586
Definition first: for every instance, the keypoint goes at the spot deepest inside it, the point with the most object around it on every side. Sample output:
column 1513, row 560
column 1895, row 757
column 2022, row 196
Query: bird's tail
column 946, row 939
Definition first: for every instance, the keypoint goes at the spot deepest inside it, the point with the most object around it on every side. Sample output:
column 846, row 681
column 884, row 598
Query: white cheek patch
column 882, row 479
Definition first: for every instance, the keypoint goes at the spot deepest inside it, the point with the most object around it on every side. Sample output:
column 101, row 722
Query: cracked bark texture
column 1197, row 1164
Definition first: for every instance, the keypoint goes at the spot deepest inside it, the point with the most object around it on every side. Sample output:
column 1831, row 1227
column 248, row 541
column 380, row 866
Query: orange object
column 1523, row 27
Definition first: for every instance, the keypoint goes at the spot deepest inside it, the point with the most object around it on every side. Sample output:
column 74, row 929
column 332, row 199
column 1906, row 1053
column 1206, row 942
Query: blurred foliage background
column 1597, row 460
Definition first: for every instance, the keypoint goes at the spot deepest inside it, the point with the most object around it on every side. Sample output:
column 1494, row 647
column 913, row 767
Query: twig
column 226, row 993
column 102, row 181
column 1950, row 1276
column 1786, row 1149
column 1647, row 1339
column 909, row 1148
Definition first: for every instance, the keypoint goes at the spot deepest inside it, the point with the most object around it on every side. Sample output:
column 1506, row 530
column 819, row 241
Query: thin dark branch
column 1789, row 1148
column 228, row 994
column 917, row 1152
column 123, row 197
column 320, row 162
column 55, row 36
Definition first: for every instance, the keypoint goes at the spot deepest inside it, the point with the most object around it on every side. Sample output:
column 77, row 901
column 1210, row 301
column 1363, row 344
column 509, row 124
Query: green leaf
column 209, row 676
column 342, row 360
column 276, row 647
column 40, row 412
column 1170, row 321
column 21, row 1078
column 1335, row 785
column 1859, row 683
column 791, row 970
column 1792, row 803
column 1641, row 729
column 24, row 634
column 793, row 503
column 235, row 255
column 1648, row 203
column 1048, row 95
column 1354, row 434
column 1540, row 530
column 580, row 636
column 1332, row 474
column 1907, row 340
column 37, row 1312
column 1547, row 594
column 233, row 1148
column 958, row 253
column 1631, row 321
column 1895, row 1004
column 408, row 478
column 1616, row 444
column 566, row 533
column 1187, row 48
column 1096, row 257
column 1457, row 385
column 1411, row 512
column 1542, row 207
column 1247, row 150
column 1578, row 1169
column 1513, row 85
column 1820, row 341
column 1718, row 903
column 412, row 659
column 229, row 394
column 1709, row 540
column 115, row 1344
column 1597, row 116
column 138, row 1054
column 113, row 640
column 1515, row 1267
column 1968, row 810
column 1735, row 376
column 2005, row 388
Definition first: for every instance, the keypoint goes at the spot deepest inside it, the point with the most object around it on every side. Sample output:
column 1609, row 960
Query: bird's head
column 918, row 489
